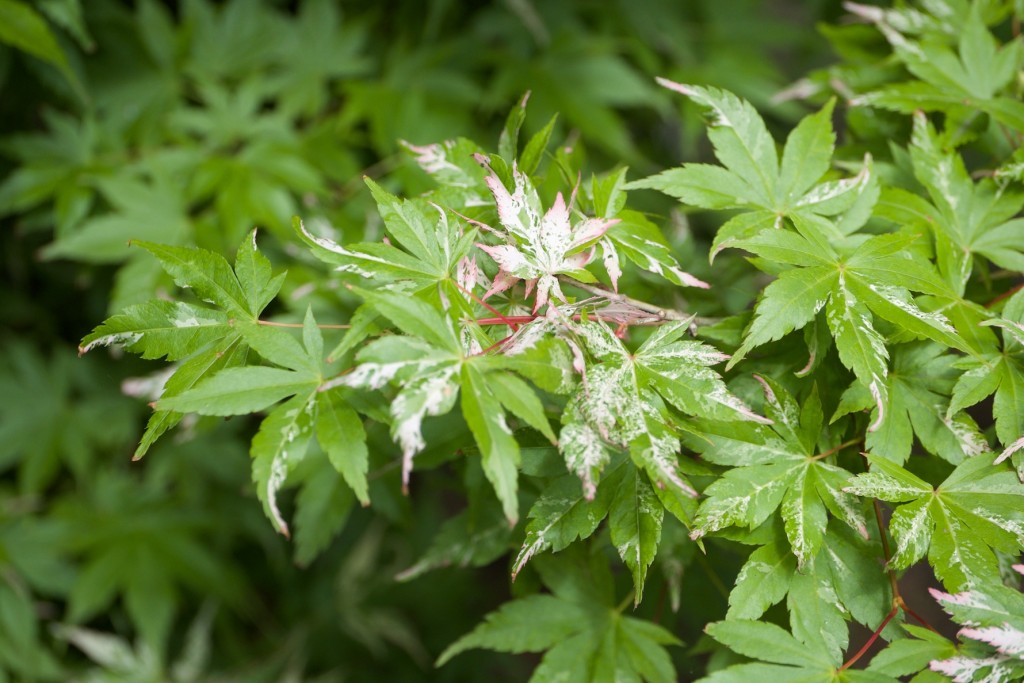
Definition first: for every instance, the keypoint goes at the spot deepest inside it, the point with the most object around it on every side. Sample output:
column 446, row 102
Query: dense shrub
column 512, row 359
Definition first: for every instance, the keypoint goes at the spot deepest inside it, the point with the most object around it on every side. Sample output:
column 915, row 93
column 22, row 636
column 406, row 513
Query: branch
column 659, row 312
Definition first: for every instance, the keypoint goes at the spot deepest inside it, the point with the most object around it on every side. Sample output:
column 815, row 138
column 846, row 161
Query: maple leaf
column 967, row 80
column 773, row 466
column 917, row 393
column 978, row 508
column 753, row 180
column 432, row 370
column 836, row 585
column 585, row 636
column 619, row 405
column 966, row 219
column 852, row 284
column 999, row 372
column 204, row 338
column 993, row 627
column 538, row 247
column 781, row 657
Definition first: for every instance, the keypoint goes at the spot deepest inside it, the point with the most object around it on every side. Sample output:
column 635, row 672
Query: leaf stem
column 1005, row 295
column 833, row 451
column 871, row 641
column 630, row 597
column 886, row 552
column 486, row 305
column 898, row 603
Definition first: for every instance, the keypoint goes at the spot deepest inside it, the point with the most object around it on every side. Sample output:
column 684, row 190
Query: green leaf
column 561, row 515
column 918, row 384
column 635, row 519
column 157, row 329
column 277, row 449
column 23, row 28
column 959, row 523
column 909, row 655
column 499, row 451
column 238, row 391
column 255, row 275
column 740, row 138
column 767, row 642
column 531, row 624
column 414, row 317
column 585, row 637
column 340, row 433
column 205, row 273
column 773, row 467
column 519, row 399
column 807, row 155
column 321, row 510
column 763, row 581
column 787, row 304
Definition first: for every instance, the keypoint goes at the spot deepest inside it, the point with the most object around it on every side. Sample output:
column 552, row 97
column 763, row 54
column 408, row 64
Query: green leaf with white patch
column 979, row 508
column 635, row 519
column 278, row 448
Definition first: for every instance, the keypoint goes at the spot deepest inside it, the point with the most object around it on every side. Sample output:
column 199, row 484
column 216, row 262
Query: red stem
column 871, row 641
column 487, row 306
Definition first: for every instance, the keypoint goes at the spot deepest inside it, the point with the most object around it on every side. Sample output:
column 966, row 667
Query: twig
column 871, row 641
column 659, row 312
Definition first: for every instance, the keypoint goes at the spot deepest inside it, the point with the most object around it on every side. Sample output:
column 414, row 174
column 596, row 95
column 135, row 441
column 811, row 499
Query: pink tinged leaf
column 1010, row 450
column 529, row 286
column 1005, row 639
column 579, row 363
column 611, row 263
column 577, row 261
column 468, row 274
column 965, row 599
column 502, row 281
column 510, row 259
column 547, row 286
column 431, row 158
column 965, row 669
column 591, row 229
column 1019, row 568
column 555, row 229
column 508, row 210
column 689, row 280
column 672, row 85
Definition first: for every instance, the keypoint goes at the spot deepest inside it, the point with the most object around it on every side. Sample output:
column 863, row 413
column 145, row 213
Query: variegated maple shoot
column 538, row 248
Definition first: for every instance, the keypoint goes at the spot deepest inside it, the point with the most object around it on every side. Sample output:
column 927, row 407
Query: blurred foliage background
column 191, row 123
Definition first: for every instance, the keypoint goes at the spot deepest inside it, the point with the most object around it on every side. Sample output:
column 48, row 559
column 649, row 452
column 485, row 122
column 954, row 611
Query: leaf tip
column 672, row 85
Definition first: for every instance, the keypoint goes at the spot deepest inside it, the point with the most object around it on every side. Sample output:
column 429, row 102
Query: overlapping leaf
column 772, row 467
column 583, row 635
column 205, row 339
column 977, row 509
column 752, row 178
column 431, row 368
column 973, row 78
column 917, row 405
column 781, row 657
column 966, row 219
column 993, row 630
column 1000, row 373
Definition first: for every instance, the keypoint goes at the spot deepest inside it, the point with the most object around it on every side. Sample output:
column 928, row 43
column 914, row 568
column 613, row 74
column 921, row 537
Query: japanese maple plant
column 864, row 415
